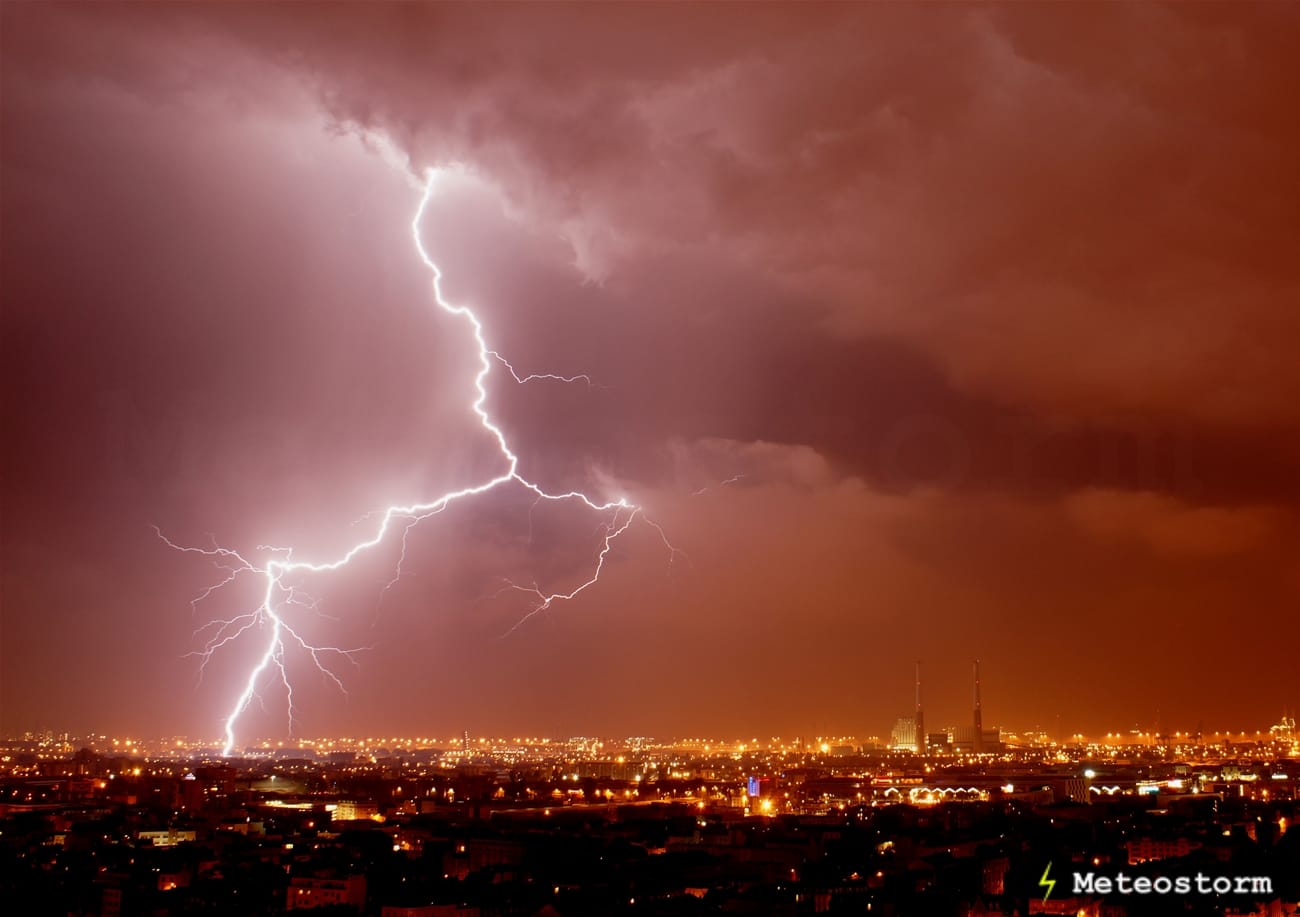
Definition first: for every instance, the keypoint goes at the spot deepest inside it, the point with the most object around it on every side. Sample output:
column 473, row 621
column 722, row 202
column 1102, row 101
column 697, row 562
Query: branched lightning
column 280, row 571
column 538, row 377
column 734, row 479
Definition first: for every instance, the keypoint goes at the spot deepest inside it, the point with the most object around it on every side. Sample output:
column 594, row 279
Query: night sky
column 987, row 315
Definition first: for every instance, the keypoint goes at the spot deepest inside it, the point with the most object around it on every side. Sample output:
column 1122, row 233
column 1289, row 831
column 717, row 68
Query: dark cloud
column 1075, row 210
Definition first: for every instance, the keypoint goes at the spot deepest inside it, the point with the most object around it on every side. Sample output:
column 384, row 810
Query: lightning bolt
column 538, row 377
column 280, row 571
column 734, row 479
column 1049, row 884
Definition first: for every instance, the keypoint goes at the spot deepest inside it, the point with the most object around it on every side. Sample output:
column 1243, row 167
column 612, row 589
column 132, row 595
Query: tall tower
column 979, row 721
column 920, row 717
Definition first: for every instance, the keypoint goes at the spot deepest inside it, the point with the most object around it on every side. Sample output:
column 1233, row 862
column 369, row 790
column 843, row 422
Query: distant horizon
column 1262, row 720
column 721, row 740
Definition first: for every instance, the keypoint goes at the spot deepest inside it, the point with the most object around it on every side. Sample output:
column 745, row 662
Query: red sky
column 993, row 309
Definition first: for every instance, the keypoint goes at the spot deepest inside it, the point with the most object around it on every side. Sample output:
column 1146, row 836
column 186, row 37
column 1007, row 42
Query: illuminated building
column 1145, row 849
column 903, row 736
column 349, row 810
column 938, row 743
column 166, row 838
column 313, row 891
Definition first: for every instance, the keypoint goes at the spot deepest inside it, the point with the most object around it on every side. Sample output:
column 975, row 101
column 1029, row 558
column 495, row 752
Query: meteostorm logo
column 1199, row 883
column 1092, row 883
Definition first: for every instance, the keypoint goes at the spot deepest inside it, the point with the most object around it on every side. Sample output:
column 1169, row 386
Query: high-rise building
column 978, row 726
column 919, row 719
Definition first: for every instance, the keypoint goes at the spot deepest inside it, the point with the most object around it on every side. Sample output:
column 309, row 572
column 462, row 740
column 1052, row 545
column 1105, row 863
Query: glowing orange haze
column 985, row 314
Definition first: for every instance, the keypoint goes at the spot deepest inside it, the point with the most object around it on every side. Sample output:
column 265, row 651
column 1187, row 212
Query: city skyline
column 873, row 734
column 650, row 827
column 949, row 745
column 975, row 344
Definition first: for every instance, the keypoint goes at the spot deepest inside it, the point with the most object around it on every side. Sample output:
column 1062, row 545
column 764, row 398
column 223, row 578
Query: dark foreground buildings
column 748, row 833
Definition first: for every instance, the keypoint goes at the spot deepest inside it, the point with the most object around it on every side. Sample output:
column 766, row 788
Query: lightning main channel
column 279, row 591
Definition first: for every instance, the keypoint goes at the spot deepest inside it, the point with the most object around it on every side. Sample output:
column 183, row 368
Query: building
column 919, row 718
column 315, row 891
column 350, row 810
column 903, row 736
column 1145, row 849
column 169, row 837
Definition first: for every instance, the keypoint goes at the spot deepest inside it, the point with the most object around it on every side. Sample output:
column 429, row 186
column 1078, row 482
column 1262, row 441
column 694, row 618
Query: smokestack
column 920, row 717
column 979, row 721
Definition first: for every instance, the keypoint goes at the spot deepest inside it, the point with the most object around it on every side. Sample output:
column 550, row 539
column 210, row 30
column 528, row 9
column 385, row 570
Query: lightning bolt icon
column 1049, row 884
column 282, row 593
